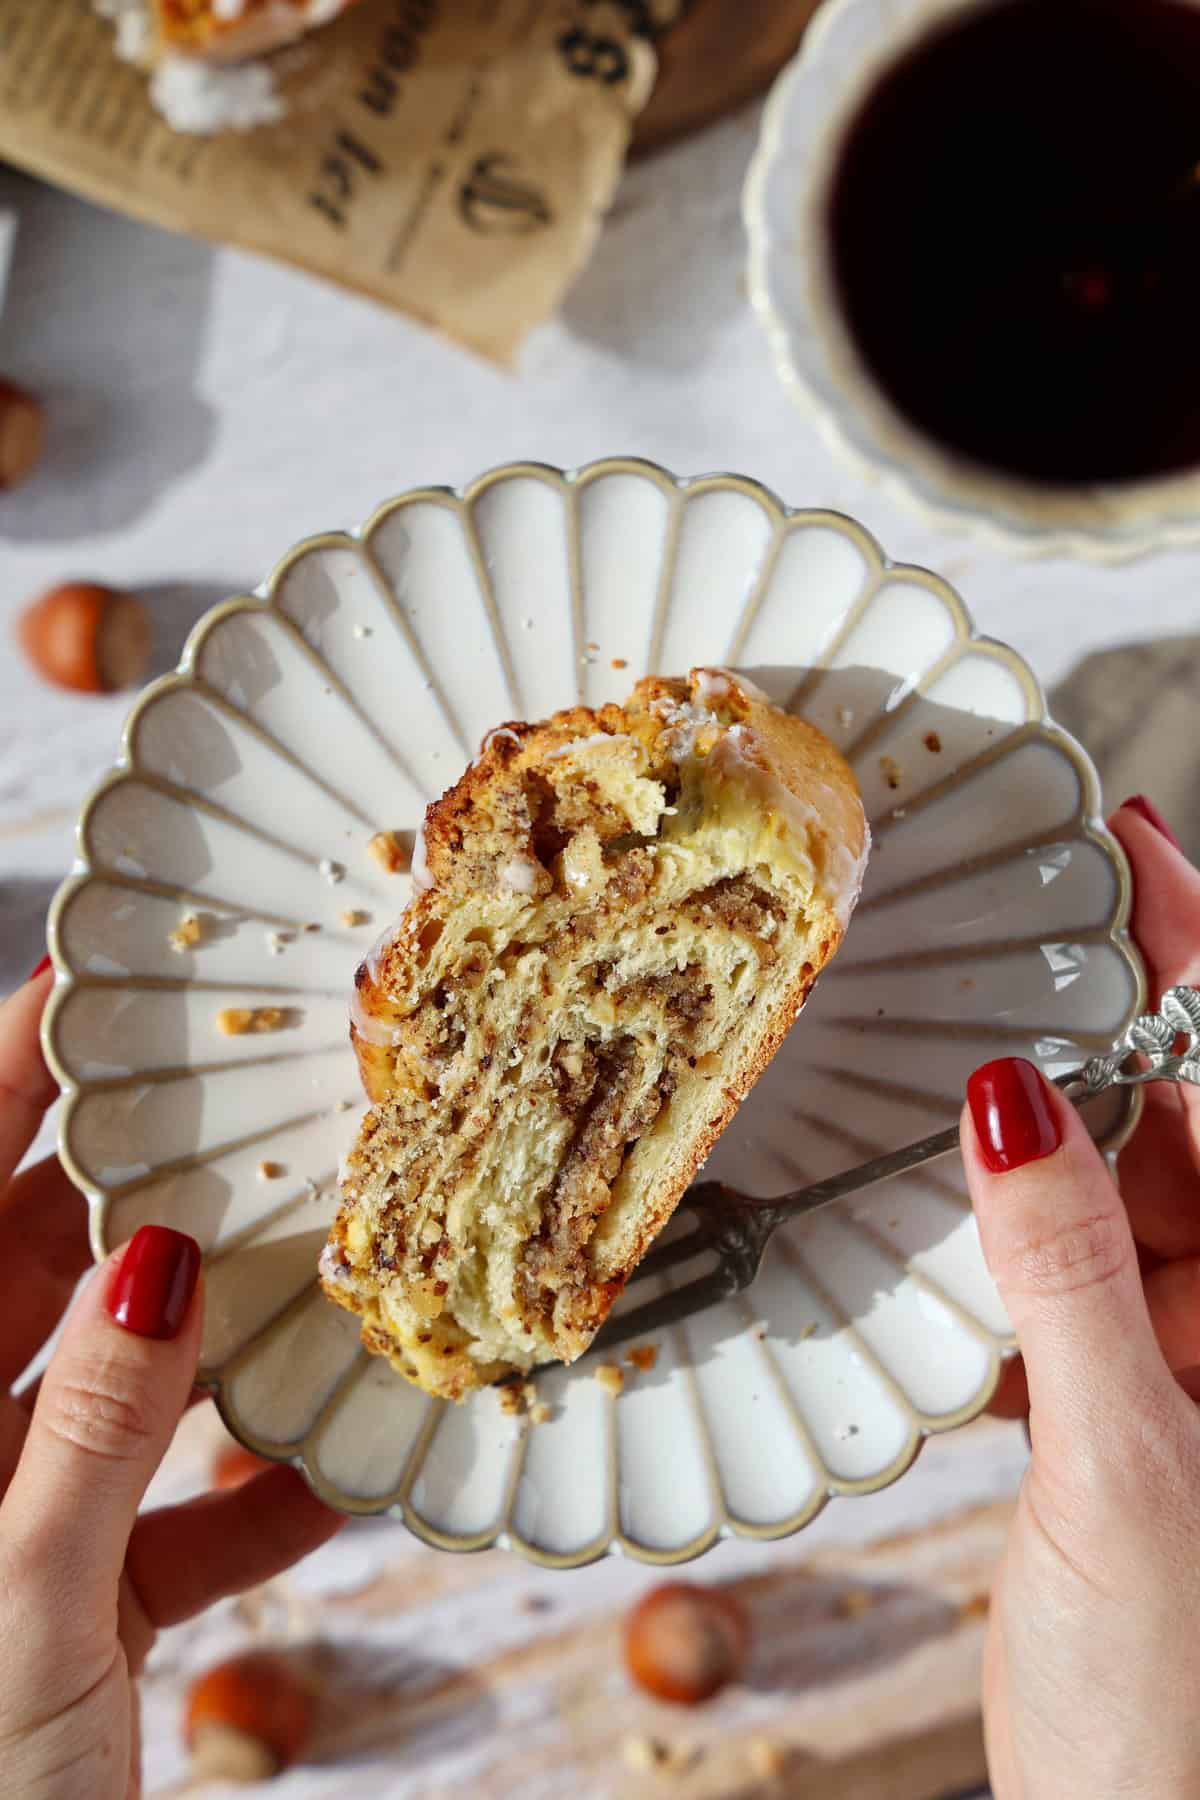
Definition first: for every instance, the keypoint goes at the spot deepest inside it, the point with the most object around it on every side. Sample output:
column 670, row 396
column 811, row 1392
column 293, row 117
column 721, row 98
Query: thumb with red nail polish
column 108, row 1405
column 1099, row 1583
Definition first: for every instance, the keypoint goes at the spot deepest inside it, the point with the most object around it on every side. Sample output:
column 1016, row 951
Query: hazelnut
column 234, row 1465
column 684, row 1642
column 89, row 638
column 22, row 433
column 247, row 1718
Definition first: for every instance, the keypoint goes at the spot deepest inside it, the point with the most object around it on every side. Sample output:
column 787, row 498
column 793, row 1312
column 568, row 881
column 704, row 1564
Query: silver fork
column 736, row 1228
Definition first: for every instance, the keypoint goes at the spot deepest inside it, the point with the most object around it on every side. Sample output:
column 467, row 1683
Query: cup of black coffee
column 975, row 234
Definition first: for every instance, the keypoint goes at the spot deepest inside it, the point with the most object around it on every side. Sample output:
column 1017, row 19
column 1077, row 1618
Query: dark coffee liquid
column 1015, row 224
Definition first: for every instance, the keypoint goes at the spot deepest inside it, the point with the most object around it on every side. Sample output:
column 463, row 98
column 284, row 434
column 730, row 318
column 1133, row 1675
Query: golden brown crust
column 535, row 794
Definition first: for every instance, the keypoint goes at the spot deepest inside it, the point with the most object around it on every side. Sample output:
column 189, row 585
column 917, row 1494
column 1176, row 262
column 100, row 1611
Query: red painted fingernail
column 1012, row 1115
column 1138, row 803
column 40, row 970
column 154, row 1281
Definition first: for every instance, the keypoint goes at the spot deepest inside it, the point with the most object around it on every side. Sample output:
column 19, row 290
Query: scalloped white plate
column 341, row 697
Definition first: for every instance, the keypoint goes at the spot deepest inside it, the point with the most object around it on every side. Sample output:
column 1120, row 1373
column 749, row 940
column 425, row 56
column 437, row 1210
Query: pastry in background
column 230, row 30
column 205, row 57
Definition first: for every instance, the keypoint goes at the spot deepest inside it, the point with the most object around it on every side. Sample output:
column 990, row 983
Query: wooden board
column 719, row 55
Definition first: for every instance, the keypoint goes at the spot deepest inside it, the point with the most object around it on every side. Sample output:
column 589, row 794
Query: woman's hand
column 84, row 1581
column 1092, row 1665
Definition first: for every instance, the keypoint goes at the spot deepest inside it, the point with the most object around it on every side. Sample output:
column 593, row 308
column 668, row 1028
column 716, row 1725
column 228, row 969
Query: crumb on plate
column 187, row 934
column 610, row 1377
column 642, row 1356
column 389, row 852
column 269, row 1171
column 237, row 1021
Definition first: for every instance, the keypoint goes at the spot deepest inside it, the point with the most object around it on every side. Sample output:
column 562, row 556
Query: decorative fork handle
column 1155, row 1036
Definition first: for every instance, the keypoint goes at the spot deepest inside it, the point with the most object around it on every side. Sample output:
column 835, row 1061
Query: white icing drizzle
column 711, row 684
column 836, row 868
column 580, row 746
column 499, row 731
column 331, row 1267
column 422, row 880
column 520, row 874
column 371, row 1030
column 717, row 684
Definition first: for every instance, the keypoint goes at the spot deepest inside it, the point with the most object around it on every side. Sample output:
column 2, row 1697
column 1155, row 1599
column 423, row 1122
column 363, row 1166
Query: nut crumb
column 269, row 1171
column 312, row 926
column 644, row 1753
column 332, row 871
column 807, row 1331
column 276, row 940
column 353, row 915
column 893, row 774
column 541, row 1414
column 845, row 716
column 592, row 645
column 854, row 1603
column 343, row 1106
column 388, row 852
column 511, row 1398
column 536, row 1603
column 620, row 662
column 362, row 631
column 977, row 1607
column 767, row 1760
column 187, row 934
column 843, row 1433
column 610, row 1377
column 932, row 742
column 237, row 1021
column 642, row 1356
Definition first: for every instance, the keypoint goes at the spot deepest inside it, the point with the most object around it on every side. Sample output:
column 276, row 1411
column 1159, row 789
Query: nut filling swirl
column 626, row 910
